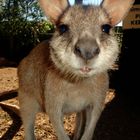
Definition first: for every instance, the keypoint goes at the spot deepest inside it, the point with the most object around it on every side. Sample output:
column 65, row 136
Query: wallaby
column 69, row 73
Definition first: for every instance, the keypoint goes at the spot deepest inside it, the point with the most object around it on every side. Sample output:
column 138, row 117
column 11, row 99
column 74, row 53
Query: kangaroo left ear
column 54, row 8
column 117, row 9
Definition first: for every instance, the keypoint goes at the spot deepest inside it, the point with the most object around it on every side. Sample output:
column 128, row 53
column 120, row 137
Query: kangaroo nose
column 86, row 50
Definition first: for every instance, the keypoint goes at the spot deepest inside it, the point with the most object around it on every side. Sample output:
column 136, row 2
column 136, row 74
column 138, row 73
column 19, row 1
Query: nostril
column 96, row 51
column 77, row 51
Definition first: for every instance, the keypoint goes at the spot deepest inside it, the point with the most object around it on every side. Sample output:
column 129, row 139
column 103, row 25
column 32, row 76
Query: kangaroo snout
column 87, row 49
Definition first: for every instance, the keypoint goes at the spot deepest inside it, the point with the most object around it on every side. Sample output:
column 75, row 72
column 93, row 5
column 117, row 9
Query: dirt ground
column 43, row 127
column 115, row 122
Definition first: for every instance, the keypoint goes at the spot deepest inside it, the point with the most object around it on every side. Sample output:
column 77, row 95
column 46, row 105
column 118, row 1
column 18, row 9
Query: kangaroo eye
column 106, row 28
column 63, row 28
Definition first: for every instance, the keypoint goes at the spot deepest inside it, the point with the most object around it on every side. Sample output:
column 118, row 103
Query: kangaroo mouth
column 85, row 69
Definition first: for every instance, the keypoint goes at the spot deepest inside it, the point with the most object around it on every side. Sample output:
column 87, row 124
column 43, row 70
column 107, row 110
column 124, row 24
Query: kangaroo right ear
column 117, row 9
column 54, row 8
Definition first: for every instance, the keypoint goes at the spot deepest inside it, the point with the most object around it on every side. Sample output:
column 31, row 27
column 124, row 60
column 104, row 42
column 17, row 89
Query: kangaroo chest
column 78, row 97
column 71, row 96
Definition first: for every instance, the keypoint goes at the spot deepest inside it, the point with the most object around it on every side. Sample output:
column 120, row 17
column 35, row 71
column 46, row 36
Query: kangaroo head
column 83, row 43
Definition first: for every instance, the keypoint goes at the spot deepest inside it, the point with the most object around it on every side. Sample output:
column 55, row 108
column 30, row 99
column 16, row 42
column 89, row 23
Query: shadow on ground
column 118, row 122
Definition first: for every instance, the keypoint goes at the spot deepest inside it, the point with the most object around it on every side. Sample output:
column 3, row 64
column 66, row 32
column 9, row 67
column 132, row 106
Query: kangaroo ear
column 53, row 8
column 117, row 9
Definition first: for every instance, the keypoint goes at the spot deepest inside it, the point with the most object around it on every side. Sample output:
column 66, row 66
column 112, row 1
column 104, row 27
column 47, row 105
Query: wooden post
column 129, row 70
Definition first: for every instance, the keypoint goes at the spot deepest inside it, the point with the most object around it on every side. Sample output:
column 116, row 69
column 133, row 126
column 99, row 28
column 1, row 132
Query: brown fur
column 54, row 79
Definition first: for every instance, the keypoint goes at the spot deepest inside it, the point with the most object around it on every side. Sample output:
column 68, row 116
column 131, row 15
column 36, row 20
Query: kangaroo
column 69, row 73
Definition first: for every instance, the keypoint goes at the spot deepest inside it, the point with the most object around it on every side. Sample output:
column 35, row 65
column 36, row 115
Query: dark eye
column 106, row 28
column 63, row 28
